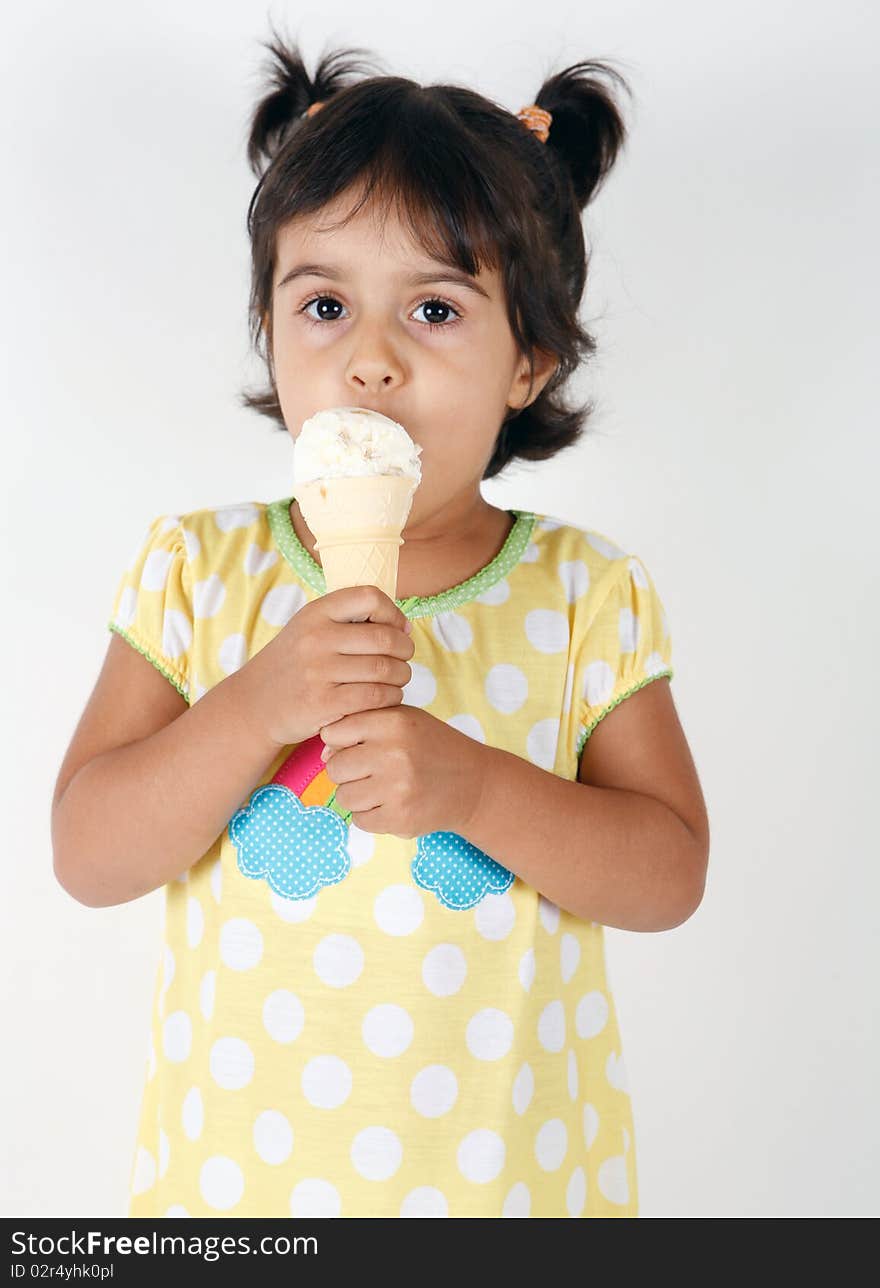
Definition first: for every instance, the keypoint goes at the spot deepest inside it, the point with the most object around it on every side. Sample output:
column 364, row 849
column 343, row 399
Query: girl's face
column 363, row 317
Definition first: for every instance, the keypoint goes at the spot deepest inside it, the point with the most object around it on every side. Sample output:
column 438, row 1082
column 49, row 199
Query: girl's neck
column 438, row 554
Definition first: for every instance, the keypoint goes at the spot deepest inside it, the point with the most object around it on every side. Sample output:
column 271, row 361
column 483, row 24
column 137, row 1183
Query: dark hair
column 474, row 185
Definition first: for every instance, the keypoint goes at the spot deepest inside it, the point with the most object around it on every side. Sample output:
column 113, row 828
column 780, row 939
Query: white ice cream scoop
column 353, row 442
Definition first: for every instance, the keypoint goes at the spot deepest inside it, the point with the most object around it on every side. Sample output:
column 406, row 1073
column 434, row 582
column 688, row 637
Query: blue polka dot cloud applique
column 297, row 848
column 459, row 874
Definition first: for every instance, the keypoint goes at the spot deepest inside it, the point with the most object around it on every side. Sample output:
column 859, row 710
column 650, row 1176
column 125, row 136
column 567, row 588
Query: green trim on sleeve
column 169, row 675
column 587, row 730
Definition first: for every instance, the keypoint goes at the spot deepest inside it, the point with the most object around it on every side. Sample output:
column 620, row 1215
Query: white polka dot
column 387, row 1030
column 469, row 725
column 497, row 594
column 518, row 1201
column 481, row 1156
column 424, row 1201
column 208, row 596
column 551, row 1027
column 569, row 686
column 217, row 880
column 591, row 1124
column 207, row 990
column 591, row 1014
column 452, row 631
column 548, row 914
column 615, row 1071
column 531, row 554
column 489, row 1034
column 229, row 517
column 167, row 966
column 598, row 683
column 523, row 1089
column 126, row 610
column 326, row 1082
column 177, row 1036
column 576, row 1192
column 315, row 1197
column 609, row 549
column 547, row 630
column 506, row 687
column 655, row 663
column 628, row 628
column 164, row 1152
column 176, row 1209
column 283, row 1015
column 144, row 1171
column 398, row 910
column 433, row 1091
column 575, row 577
column 154, row 573
column 541, row 742
column 195, row 922
column 569, row 956
column 361, row 845
column 293, row 911
column 273, row 1137
column 444, row 970
column 551, row 1144
column 193, row 1114
column 421, row 688
column 241, row 944
column 280, row 603
column 572, row 1074
column 612, row 1179
column 221, row 1182
column 338, row 960
column 232, row 1063
column 638, row 573
column 257, row 560
column 232, row 653
column 376, row 1153
column 527, row 969
column 495, row 916
column 548, row 524
column 177, row 633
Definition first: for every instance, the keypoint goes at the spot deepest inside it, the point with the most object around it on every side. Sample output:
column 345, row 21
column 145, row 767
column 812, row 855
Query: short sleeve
column 627, row 645
column 153, row 606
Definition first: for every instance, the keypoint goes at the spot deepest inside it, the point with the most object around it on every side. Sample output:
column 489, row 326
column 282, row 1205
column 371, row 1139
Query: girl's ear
column 521, row 393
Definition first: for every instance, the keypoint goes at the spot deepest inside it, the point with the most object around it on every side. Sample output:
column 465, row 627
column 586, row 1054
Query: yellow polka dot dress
column 351, row 1024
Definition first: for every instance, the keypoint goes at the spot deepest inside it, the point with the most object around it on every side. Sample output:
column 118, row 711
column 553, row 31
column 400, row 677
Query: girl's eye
column 327, row 304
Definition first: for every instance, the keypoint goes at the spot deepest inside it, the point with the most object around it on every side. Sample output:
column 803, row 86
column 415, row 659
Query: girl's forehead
column 337, row 225
column 358, row 242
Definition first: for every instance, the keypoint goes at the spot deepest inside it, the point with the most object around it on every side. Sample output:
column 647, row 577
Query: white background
column 733, row 292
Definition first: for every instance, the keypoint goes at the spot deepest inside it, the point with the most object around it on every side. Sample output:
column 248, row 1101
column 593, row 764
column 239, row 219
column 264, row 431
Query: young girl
column 384, row 993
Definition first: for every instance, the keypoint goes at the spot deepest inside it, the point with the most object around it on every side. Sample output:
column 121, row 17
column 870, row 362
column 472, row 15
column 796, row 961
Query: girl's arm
column 627, row 845
column 139, row 815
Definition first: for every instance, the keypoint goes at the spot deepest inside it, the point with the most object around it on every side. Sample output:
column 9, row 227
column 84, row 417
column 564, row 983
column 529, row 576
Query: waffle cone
column 357, row 525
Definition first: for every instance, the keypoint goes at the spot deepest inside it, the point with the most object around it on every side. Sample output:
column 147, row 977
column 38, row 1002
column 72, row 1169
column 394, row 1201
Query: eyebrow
column 444, row 274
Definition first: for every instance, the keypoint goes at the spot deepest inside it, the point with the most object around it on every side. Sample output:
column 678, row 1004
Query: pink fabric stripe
column 302, row 765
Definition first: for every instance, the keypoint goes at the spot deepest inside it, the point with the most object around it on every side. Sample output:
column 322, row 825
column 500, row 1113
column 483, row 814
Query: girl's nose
column 374, row 366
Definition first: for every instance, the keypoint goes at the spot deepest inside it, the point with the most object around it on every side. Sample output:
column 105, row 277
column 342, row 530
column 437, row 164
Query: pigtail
column 293, row 92
column 587, row 130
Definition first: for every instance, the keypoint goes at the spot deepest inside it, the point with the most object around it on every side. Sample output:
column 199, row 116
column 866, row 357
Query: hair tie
column 534, row 118
column 537, row 119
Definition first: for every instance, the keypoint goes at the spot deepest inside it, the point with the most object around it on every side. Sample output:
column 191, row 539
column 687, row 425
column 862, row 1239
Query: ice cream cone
column 357, row 525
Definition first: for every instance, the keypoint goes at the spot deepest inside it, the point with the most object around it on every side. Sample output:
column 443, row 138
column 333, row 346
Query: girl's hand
column 404, row 772
column 346, row 651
